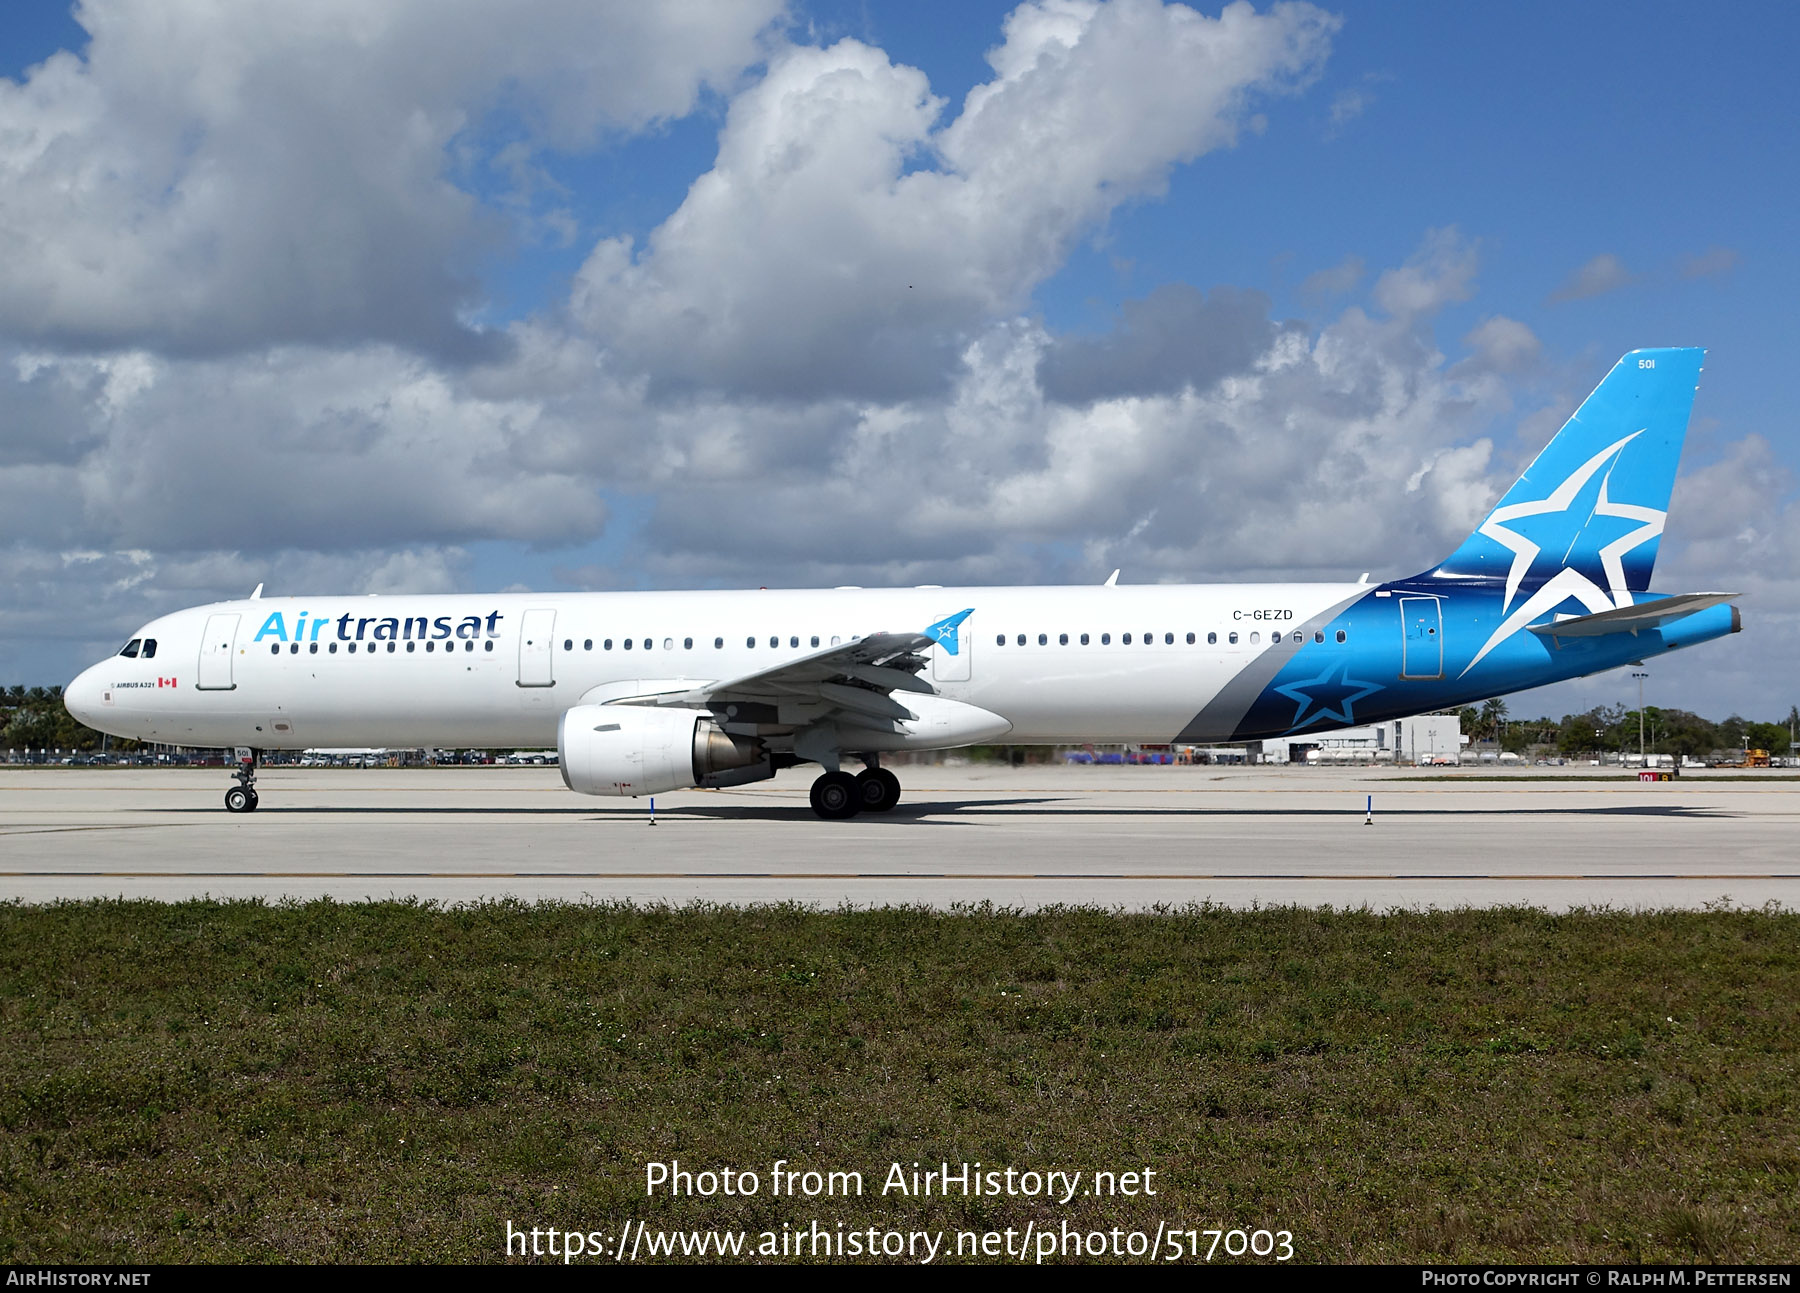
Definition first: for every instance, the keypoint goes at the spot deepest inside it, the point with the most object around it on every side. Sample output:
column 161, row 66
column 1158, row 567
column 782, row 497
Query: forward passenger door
column 216, row 647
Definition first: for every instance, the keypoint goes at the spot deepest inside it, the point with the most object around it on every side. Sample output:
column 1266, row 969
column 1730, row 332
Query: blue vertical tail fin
column 1586, row 518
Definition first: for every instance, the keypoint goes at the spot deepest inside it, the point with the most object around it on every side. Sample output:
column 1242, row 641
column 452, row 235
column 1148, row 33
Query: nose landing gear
column 242, row 798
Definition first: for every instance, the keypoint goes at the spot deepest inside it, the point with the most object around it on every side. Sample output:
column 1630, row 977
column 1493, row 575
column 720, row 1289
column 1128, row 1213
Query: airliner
column 647, row 692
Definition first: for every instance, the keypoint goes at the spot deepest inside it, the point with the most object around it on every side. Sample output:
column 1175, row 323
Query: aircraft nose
column 82, row 697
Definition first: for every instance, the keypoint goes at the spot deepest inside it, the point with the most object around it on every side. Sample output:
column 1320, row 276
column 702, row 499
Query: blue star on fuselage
column 1332, row 695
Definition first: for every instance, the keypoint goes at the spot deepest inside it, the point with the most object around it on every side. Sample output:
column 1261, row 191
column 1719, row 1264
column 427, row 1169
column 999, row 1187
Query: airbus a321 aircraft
column 651, row 692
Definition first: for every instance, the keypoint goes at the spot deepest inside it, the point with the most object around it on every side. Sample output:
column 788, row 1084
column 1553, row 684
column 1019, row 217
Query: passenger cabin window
column 587, row 644
column 1106, row 639
column 1043, row 639
column 1275, row 636
column 1062, row 639
column 1190, row 639
column 718, row 644
column 1084, row 639
column 1212, row 639
column 687, row 644
column 1340, row 635
column 1169, row 639
column 1318, row 635
column 1231, row 638
column 1255, row 638
column 815, row 639
column 606, row 645
column 1021, row 639
column 130, row 649
column 750, row 643
column 1125, row 638
column 1001, row 640
column 668, row 644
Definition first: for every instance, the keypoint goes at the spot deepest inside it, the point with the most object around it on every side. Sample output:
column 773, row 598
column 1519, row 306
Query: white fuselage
column 475, row 671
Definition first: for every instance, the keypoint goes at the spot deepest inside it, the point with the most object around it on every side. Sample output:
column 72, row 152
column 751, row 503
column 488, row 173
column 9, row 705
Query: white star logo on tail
column 1569, row 581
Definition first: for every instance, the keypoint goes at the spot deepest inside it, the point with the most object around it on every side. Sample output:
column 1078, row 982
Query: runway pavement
column 1115, row 837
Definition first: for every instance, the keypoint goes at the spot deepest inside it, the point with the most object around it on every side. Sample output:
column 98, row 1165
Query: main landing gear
column 838, row 795
column 242, row 798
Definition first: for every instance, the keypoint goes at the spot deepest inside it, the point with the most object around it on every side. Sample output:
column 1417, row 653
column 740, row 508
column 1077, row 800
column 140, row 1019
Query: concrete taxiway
column 1114, row 837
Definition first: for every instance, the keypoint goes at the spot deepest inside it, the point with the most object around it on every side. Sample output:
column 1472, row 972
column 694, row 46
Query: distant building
column 1427, row 739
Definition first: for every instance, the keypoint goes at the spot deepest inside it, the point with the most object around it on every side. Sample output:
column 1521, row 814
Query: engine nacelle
column 632, row 750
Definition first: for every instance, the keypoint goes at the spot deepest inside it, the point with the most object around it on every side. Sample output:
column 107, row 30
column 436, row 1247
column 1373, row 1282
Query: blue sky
column 1552, row 133
column 1595, row 178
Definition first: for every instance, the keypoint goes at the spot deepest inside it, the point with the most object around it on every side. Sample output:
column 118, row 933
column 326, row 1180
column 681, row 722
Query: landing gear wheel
column 242, row 798
column 878, row 790
column 835, row 796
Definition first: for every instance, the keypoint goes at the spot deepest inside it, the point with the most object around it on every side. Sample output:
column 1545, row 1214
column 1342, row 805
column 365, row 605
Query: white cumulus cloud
column 1604, row 273
column 844, row 240
column 210, row 178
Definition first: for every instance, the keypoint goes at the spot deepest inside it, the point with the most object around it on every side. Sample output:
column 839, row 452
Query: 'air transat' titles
column 380, row 628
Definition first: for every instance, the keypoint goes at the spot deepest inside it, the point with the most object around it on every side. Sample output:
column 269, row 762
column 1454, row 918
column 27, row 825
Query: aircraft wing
column 1630, row 619
column 854, row 680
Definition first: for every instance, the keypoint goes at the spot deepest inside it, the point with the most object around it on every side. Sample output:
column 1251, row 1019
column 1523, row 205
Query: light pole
column 1640, row 675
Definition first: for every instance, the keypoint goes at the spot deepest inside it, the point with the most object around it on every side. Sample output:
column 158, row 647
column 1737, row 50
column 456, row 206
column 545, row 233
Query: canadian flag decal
column 165, row 682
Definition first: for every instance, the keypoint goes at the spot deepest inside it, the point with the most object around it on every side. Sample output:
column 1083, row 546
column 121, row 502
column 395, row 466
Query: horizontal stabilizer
column 1630, row 619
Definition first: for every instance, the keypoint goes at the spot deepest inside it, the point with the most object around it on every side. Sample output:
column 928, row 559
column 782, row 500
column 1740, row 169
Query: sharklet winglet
column 944, row 632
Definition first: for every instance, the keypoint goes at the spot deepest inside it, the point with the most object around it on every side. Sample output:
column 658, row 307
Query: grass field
column 233, row 1081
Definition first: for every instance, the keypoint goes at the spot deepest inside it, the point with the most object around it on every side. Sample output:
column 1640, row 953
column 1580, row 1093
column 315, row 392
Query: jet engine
column 641, row 750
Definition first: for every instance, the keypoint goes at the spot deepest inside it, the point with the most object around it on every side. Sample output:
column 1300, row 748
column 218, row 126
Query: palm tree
column 1486, row 726
column 1493, row 713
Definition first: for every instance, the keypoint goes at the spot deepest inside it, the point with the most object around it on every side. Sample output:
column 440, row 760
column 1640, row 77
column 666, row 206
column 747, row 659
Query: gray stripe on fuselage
column 1219, row 720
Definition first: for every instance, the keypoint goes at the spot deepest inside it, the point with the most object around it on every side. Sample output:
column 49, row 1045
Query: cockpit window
column 149, row 652
column 130, row 649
